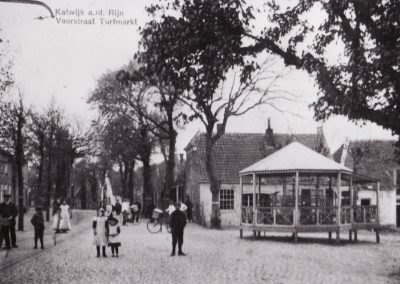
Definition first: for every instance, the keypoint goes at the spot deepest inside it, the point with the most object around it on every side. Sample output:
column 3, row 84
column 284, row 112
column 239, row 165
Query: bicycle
column 155, row 224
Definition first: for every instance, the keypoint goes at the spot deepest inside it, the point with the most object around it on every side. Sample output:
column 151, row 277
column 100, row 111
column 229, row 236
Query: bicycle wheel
column 154, row 227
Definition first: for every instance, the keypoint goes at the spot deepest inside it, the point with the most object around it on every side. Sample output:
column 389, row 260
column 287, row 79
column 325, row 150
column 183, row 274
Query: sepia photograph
column 200, row 141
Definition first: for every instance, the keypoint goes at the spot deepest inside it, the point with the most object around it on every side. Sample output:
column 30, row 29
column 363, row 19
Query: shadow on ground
column 305, row 240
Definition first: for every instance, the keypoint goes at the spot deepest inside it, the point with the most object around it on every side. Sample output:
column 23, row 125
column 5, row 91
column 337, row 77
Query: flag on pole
column 109, row 193
column 101, row 192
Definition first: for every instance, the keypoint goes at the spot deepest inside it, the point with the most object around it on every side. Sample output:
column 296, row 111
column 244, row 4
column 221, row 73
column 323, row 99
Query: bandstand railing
column 365, row 214
column 275, row 215
column 308, row 215
column 312, row 215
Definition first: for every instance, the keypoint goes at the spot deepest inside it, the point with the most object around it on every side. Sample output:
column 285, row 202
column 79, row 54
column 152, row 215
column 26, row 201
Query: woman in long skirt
column 65, row 222
column 100, row 229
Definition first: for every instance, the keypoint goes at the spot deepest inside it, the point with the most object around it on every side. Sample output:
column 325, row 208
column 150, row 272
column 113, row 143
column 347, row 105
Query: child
column 113, row 235
column 100, row 227
column 56, row 220
column 38, row 225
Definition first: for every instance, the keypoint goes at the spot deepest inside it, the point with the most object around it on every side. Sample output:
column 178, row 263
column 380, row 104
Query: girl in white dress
column 100, row 228
column 65, row 221
column 113, row 235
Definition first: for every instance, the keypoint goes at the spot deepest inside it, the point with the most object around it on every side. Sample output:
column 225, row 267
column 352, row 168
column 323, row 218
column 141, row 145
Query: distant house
column 232, row 153
column 6, row 181
column 8, row 178
column 375, row 158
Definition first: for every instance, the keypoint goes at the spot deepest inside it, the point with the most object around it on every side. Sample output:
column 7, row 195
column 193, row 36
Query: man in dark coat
column 8, row 212
column 177, row 223
column 118, row 207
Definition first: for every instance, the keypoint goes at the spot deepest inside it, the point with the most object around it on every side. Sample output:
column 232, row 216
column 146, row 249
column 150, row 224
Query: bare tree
column 242, row 96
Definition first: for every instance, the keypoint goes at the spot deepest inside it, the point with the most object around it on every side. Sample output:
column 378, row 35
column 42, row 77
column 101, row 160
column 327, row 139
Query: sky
column 57, row 61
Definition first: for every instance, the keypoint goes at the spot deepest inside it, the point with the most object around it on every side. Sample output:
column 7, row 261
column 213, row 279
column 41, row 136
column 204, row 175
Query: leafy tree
column 13, row 137
column 69, row 146
column 165, row 91
column 363, row 82
column 38, row 129
column 203, row 46
column 116, row 100
column 6, row 76
column 118, row 139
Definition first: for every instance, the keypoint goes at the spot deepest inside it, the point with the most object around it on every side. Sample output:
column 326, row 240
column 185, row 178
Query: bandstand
column 298, row 190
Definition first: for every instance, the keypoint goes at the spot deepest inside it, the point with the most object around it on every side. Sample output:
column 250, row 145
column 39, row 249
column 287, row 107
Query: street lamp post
column 32, row 2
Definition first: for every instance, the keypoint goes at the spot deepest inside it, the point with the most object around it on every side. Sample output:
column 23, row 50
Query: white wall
column 228, row 217
column 387, row 202
column 387, row 207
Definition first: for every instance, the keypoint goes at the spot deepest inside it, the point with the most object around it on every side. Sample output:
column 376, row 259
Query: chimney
column 269, row 135
column 181, row 158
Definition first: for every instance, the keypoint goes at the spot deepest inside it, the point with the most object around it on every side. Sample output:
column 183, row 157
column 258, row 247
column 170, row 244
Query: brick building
column 232, row 153
column 6, row 180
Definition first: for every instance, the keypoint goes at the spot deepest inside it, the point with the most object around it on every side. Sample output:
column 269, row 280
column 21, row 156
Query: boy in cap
column 38, row 225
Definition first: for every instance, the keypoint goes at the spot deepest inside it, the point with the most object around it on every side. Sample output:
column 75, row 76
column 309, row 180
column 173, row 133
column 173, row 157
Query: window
column 226, row 199
column 247, row 199
column 345, row 197
column 365, row 202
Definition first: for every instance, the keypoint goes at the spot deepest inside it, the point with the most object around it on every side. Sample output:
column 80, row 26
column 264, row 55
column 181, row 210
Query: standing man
column 178, row 223
column 8, row 212
column 118, row 208
column 189, row 211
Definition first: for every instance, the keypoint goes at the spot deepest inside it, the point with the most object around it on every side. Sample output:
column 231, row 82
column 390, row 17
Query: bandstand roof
column 295, row 157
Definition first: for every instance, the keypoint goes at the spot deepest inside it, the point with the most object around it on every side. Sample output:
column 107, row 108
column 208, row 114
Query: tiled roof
column 236, row 151
column 375, row 157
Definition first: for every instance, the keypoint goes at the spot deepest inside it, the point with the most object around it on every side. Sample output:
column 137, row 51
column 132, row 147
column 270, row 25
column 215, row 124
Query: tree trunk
column 48, row 195
column 122, row 175
column 169, row 171
column 147, row 192
column 19, row 155
column 214, row 184
column 131, row 179
column 39, row 191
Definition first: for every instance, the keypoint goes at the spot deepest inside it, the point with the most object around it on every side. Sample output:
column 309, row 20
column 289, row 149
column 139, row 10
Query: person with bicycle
column 177, row 225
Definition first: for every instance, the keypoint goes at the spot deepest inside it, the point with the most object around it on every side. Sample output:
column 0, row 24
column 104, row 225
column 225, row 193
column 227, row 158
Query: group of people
column 130, row 211
column 106, row 232
column 9, row 212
